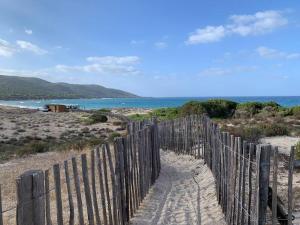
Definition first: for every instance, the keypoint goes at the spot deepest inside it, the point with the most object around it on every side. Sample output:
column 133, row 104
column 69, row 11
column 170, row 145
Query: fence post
column 1, row 217
column 30, row 198
column 290, row 186
column 263, row 164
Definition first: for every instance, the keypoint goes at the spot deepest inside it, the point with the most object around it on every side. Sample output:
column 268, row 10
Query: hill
column 21, row 88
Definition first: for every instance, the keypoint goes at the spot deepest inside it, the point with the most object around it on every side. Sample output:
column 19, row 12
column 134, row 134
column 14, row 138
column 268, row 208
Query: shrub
column 165, row 113
column 104, row 110
column 250, row 107
column 296, row 111
column 192, row 107
column 113, row 135
column 215, row 108
column 97, row 117
column 33, row 148
column 274, row 129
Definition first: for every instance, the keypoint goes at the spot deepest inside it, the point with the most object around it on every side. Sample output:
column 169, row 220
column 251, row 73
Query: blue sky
column 158, row 47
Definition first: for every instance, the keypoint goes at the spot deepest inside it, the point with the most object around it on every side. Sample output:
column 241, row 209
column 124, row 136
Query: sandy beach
column 183, row 194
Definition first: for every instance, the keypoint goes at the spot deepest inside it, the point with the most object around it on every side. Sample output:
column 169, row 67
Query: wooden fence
column 108, row 185
column 245, row 173
column 106, row 189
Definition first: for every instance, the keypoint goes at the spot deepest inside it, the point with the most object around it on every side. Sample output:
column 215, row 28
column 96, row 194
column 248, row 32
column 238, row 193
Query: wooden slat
column 290, row 186
column 1, row 215
column 94, row 191
column 59, row 209
column 87, row 190
column 47, row 193
column 70, row 196
column 274, row 186
column 101, row 184
column 78, row 191
column 107, row 187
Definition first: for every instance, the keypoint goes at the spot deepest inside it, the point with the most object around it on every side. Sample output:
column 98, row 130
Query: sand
column 183, row 194
column 284, row 143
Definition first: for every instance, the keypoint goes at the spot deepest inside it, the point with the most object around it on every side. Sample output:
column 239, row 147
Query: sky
column 157, row 48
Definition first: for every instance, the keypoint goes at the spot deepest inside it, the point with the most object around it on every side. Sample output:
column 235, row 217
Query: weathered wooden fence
column 104, row 187
column 245, row 173
column 108, row 185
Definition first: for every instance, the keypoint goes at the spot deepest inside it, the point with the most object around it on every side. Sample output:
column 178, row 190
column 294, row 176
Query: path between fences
column 183, row 194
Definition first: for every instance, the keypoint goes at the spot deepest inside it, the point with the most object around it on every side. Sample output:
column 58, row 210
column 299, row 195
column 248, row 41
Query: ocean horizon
column 145, row 102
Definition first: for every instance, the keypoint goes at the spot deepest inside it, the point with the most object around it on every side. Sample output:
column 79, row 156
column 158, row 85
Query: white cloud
column 258, row 23
column 243, row 25
column 6, row 49
column 274, row 53
column 218, row 71
column 24, row 45
column 206, row 35
column 28, row 31
column 114, row 60
column 107, row 65
column 23, row 73
column 160, row 45
column 137, row 42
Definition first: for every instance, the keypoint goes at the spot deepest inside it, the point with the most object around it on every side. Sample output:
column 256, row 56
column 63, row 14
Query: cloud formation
column 28, row 31
column 28, row 46
column 270, row 53
column 218, row 71
column 160, row 45
column 106, row 65
column 242, row 25
column 6, row 49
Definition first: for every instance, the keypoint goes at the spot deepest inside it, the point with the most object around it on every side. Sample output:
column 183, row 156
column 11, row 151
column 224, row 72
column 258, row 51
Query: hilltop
column 21, row 88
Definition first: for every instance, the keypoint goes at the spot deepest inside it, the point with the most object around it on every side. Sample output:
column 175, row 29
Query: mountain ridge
column 22, row 88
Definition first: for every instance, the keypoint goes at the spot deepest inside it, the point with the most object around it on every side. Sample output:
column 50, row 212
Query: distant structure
column 56, row 108
column 60, row 108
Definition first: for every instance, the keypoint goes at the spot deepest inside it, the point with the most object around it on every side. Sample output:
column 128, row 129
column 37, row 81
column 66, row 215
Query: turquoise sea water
column 143, row 102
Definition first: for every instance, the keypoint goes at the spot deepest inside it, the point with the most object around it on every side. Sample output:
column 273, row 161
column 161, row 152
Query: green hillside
column 13, row 88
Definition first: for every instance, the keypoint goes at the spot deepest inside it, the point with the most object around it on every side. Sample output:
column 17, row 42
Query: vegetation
column 215, row 108
column 12, row 87
column 113, row 136
column 161, row 114
column 34, row 146
column 96, row 117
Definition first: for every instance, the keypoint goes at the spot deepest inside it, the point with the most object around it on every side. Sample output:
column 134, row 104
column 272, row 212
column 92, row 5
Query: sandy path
column 183, row 194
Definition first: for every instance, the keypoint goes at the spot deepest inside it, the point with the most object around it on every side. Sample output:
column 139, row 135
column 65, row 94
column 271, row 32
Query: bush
column 215, row 108
column 250, row 107
column 296, row 111
column 165, row 113
column 33, row 148
column 113, row 135
column 192, row 108
column 97, row 117
column 274, row 130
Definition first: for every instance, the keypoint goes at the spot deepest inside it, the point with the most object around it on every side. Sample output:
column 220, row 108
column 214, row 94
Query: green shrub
column 215, row 108
column 165, row 113
column 250, row 107
column 113, row 135
column 96, row 117
column 192, row 107
column 296, row 111
column 104, row 110
column 274, row 129
column 139, row 117
column 33, row 148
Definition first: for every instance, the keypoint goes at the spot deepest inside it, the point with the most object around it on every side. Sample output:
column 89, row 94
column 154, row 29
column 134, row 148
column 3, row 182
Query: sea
column 150, row 103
